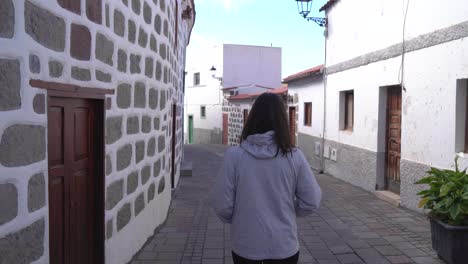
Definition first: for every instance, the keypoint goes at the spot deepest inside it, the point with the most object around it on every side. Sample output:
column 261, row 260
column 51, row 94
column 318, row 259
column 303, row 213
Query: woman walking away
column 264, row 183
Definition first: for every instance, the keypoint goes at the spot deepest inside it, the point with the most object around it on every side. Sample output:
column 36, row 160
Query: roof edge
column 328, row 5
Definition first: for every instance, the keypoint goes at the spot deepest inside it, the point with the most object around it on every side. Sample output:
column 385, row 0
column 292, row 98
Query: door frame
column 190, row 129
column 173, row 143
column 389, row 185
column 290, row 113
column 55, row 89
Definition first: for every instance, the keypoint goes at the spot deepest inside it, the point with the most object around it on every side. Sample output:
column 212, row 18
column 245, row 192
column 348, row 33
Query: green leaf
column 455, row 211
column 445, row 189
column 425, row 180
column 423, row 202
column 448, row 201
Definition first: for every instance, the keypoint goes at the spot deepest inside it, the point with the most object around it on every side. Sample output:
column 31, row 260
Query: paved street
column 352, row 226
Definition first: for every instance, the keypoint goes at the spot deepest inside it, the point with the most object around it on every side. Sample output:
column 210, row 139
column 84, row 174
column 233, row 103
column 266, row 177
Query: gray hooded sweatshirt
column 260, row 194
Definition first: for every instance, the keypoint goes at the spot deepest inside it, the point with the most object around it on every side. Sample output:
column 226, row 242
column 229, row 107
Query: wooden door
column 76, row 213
column 225, row 129
column 292, row 124
column 245, row 115
column 393, row 139
column 190, row 129
column 173, row 144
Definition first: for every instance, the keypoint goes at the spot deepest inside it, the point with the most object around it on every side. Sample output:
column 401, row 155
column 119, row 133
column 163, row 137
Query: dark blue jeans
column 240, row 260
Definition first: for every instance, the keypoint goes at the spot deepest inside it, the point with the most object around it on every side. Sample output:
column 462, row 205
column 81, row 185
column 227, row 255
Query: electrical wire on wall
column 402, row 65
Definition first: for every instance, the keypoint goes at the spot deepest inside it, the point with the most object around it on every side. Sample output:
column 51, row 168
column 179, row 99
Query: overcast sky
column 259, row 22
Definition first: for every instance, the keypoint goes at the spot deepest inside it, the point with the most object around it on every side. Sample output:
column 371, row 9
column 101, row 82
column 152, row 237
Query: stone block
column 162, row 99
column 146, row 124
column 71, row 5
column 135, row 63
column 153, row 44
column 109, row 228
column 162, row 51
column 55, row 69
column 139, row 151
column 149, row 67
column 44, row 27
column 25, row 245
column 80, row 74
column 94, row 10
column 157, row 24
column 140, row 95
column 22, row 145
column 139, row 203
column 131, row 31
column 147, row 13
column 122, row 60
column 166, row 75
column 162, row 185
column 119, row 23
column 145, row 174
column 108, row 164
column 124, row 156
column 151, row 192
column 161, row 143
column 7, row 19
column 158, row 73
column 153, row 97
column 123, row 216
column 36, row 192
column 80, row 42
column 39, row 103
column 157, row 168
column 166, row 28
column 113, row 129
column 136, row 6
column 125, row 2
column 103, row 76
column 132, row 182
column 8, row 202
column 114, row 194
column 34, row 63
column 104, row 49
column 107, row 16
column 156, row 123
column 151, row 149
column 133, row 125
column 10, row 85
column 142, row 38
column 162, row 5
column 124, row 95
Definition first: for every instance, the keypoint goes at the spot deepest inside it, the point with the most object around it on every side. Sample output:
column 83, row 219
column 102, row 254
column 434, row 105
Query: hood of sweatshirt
column 261, row 146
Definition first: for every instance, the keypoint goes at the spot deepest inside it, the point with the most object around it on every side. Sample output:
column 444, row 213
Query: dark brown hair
column 268, row 113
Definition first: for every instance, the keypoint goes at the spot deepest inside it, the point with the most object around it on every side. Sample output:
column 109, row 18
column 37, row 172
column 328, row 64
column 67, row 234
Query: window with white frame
column 203, row 111
column 347, row 110
column 196, row 79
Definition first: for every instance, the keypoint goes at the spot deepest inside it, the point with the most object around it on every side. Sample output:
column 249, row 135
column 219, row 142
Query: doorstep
column 186, row 169
column 389, row 197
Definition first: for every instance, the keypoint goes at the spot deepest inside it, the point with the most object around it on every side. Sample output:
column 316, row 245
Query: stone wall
column 130, row 46
column 235, row 123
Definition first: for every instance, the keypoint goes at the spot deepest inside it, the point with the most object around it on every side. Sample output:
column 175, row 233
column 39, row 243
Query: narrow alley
column 352, row 225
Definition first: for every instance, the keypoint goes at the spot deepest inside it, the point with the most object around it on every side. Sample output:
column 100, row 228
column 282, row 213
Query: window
column 196, row 79
column 203, row 111
column 347, row 110
column 308, row 114
column 461, row 116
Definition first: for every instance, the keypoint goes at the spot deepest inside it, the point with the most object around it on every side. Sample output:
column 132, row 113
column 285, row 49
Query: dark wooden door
column 393, row 139
column 292, row 124
column 75, row 159
column 246, row 115
column 225, row 129
column 173, row 144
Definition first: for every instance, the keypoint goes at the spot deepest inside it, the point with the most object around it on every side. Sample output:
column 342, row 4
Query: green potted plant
column 446, row 201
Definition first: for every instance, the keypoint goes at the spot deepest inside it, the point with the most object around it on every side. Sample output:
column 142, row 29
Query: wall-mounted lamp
column 213, row 74
column 304, row 7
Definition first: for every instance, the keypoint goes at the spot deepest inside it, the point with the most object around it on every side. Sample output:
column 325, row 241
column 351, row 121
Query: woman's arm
column 225, row 188
column 308, row 192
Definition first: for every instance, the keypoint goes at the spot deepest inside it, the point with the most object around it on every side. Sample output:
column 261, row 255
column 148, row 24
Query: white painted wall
column 363, row 26
column 251, row 65
column 309, row 90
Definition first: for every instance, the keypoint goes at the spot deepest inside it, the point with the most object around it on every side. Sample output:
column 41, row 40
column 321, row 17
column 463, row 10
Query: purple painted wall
column 257, row 65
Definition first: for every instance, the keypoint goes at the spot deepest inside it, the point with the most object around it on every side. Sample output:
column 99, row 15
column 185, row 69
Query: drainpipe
column 324, row 76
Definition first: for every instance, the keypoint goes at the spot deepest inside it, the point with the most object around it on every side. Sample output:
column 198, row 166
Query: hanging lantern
column 304, row 7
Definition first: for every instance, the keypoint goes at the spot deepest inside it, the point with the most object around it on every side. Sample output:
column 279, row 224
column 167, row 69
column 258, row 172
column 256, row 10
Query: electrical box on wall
column 317, row 148
column 326, row 152
column 333, row 154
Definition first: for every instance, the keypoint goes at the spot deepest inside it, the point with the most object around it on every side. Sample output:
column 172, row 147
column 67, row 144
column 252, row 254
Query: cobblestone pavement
column 352, row 226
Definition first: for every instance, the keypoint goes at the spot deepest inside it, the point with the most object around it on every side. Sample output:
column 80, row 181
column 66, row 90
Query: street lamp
column 213, row 74
column 304, row 7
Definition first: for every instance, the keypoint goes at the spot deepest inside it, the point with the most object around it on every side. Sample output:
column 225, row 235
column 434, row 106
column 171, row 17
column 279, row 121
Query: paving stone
column 124, row 157
column 399, row 259
column 114, row 194
column 80, row 74
column 132, row 182
column 25, row 245
column 123, row 216
column 80, row 42
column 10, row 83
column 22, row 145
column 104, row 49
column 113, row 128
column 55, row 69
column 349, row 259
column 44, row 27
column 36, row 192
column 139, row 203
